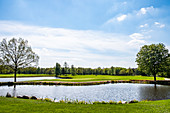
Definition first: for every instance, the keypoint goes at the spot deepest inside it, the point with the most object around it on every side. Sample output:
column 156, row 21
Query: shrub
column 120, row 102
column 33, row 97
column 112, row 102
column 81, row 102
column 103, row 102
column 25, row 97
column 96, row 102
column 61, row 101
column 48, row 99
column 133, row 101
column 19, row 96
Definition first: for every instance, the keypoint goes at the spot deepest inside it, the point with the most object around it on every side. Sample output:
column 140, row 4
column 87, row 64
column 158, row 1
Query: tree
column 65, row 68
column 129, row 71
column 57, row 69
column 112, row 70
column 122, row 72
column 152, row 59
column 73, row 70
column 17, row 54
column 38, row 70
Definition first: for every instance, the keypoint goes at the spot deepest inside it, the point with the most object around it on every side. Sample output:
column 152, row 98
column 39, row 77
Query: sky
column 86, row 33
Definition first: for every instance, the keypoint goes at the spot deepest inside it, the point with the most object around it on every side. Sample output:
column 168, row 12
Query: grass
column 25, row 75
column 88, row 78
column 14, row 105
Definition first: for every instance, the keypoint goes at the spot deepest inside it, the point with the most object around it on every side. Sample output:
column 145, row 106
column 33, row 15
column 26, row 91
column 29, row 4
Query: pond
column 105, row 92
column 26, row 79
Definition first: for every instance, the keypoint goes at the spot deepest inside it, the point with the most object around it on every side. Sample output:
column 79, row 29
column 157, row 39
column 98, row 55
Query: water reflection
column 14, row 91
column 116, row 92
column 26, row 79
column 154, row 93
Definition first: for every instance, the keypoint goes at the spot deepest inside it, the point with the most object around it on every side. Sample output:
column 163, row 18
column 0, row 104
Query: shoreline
column 160, row 82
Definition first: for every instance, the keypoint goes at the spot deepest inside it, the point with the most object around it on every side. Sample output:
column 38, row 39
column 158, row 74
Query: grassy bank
column 88, row 78
column 15, row 105
column 25, row 75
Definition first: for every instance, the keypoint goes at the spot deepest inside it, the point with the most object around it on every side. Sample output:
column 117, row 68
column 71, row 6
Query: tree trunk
column 15, row 73
column 154, row 78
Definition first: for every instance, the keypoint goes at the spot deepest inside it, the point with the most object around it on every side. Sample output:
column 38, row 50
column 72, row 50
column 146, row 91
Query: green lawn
column 25, row 75
column 87, row 78
column 14, row 105
column 84, row 78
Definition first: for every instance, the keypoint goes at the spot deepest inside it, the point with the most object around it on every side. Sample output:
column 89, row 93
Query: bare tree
column 17, row 54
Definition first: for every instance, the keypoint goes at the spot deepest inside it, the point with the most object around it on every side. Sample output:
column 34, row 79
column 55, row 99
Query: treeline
column 59, row 70
column 96, row 71
column 66, row 69
column 28, row 70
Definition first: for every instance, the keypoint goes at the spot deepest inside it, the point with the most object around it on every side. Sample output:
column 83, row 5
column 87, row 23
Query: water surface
column 115, row 92
column 26, row 79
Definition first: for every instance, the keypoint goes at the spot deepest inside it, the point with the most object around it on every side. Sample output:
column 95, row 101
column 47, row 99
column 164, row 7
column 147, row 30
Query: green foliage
column 152, row 59
column 57, row 69
column 65, row 69
column 120, row 102
column 17, row 54
column 73, row 70
column 112, row 102
column 122, row 72
column 48, row 100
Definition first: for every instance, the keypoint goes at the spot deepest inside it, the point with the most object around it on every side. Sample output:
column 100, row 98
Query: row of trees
column 65, row 69
column 58, row 70
column 96, row 71
column 28, row 70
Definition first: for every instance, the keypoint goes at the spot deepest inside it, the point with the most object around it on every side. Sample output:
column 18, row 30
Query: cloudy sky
column 86, row 33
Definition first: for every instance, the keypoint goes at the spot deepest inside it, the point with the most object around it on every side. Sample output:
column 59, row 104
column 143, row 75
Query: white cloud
column 143, row 11
column 162, row 25
column 159, row 25
column 135, row 16
column 121, row 18
column 137, row 40
column 79, row 47
column 113, row 20
column 136, row 43
column 145, row 25
column 136, row 36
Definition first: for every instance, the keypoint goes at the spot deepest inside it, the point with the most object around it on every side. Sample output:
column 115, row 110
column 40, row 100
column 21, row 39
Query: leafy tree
column 57, row 69
column 122, row 72
column 17, row 54
column 73, row 70
column 80, row 71
column 112, row 70
column 106, row 71
column 38, row 70
column 152, row 58
column 65, row 68
column 129, row 71
column 98, row 71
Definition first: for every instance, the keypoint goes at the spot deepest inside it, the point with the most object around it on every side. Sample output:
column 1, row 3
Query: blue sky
column 86, row 33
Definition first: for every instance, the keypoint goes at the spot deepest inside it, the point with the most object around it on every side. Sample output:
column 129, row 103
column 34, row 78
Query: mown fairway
column 87, row 78
column 83, row 78
column 14, row 105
